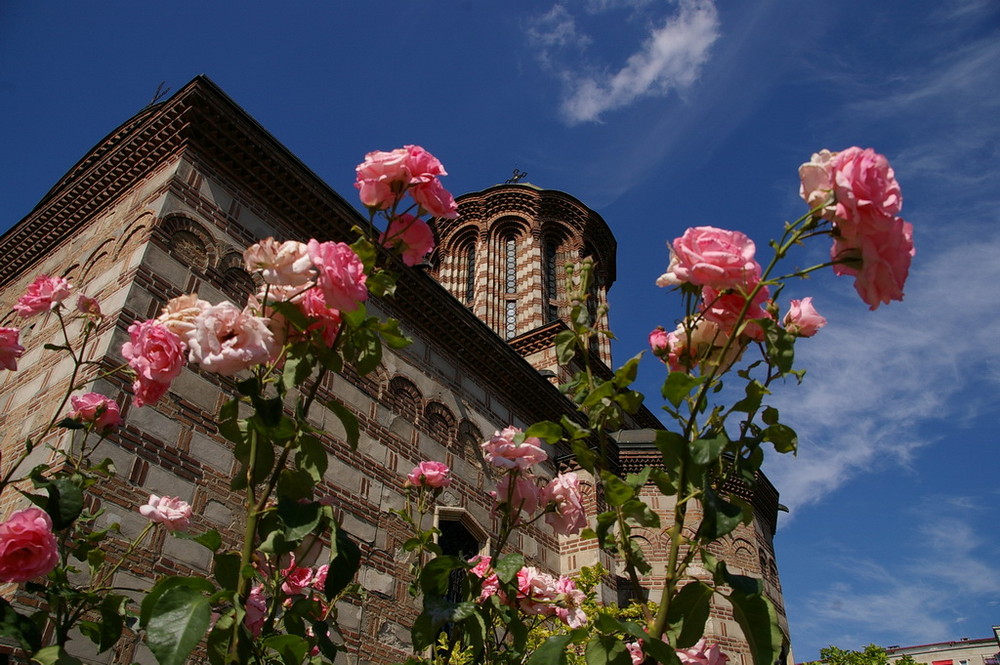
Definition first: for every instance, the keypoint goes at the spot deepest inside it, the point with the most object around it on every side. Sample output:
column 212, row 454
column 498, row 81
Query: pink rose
column 802, row 318
column 519, row 493
column 536, row 592
column 169, row 511
column 88, row 306
column 422, row 165
column 297, row 579
column 702, row 654
column 95, row 408
column 382, row 178
column 866, row 189
column 707, row 256
column 482, row 564
column 563, row 492
column 10, row 349
column 435, row 199
column 28, row 547
column 817, row 182
column 502, row 451
column 341, row 274
column 879, row 262
column 659, row 342
column 228, row 340
column 156, row 355
column 723, row 309
column 429, row 474
column 283, row 263
column 256, row 610
column 569, row 600
column 44, row 294
column 410, row 236
column 325, row 319
column 635, row 652
column 319, row 577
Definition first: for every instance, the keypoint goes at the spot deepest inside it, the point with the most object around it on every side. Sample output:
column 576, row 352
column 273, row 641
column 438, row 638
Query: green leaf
column 546, row 430
column 638, row 480
column 585, row 457
column 759, row 621
column 392, row 335
column 770, row 416
column 230, row 426
column 291, row 648
column 311, row 457
column 64, row 503
column 345, row 559
column 54, row 655
column 297, row 369
column 720, row 517
column 783, row 437
column 165, row 584
column 19, row 627
column 626, row 374
column 435, row 575
column 294, row 484
column 707, row 451
column 508, row 566
column 616, row 491
column 689, row 611
column 551, row 652
column 678, row 386
column 630, row 400
column 755, row 392
column 210, row 539
column 350, row 422
column 177, row 623
column 663, row 482
column 227, row 570
column 381, row 284
column 300, row 519
column 607, row 650
column 565, row 346
column 641, row 514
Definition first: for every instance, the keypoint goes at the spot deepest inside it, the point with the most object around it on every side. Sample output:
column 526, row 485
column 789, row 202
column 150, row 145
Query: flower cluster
column 538, row 593
column 10, row 348
column 520, row 490
column 856, row 190
column 700, row 654
column 94, row 409
column 296, row 582
column 434, row 475
column 385, row 177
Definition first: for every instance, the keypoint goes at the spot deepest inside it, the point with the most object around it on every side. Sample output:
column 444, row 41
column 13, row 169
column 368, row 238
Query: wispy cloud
column 670, row 57
column 941, row 567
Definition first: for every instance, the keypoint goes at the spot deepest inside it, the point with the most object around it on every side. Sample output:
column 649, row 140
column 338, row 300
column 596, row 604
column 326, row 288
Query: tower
column 505, row 258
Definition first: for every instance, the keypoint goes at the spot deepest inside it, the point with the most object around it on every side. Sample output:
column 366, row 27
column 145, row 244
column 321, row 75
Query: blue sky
column 660, row 115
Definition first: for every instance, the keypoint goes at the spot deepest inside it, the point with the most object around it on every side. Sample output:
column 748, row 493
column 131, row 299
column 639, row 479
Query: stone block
column 164, row 483
column 152, row 421
column 197, row 390
column 374, row 581
column 360, row 529
column 188, row 552
column 219, row 513
column 212, row 453
column 165, row 266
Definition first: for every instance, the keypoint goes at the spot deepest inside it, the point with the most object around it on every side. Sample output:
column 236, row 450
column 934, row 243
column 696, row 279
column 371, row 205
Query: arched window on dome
column 550, row 270
column 469, row 272
column 510, row 286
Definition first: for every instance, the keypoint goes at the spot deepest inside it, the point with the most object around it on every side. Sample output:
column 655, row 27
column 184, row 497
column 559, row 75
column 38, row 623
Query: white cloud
column 670, row 57
column 878, row 382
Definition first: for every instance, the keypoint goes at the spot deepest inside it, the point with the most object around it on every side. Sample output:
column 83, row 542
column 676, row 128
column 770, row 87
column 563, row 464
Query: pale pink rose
column 802, row 318
column 169, row 511
column 156, row 355
column 282, row 263
column 297, row 579
column 866, row 190
column 88, row 306
column 503, row 452
column 228, row 340
column 563, row 492
column 569, row 600
column 707, row 256
column 422, row 165
column 410, row 236
column 702, row 654
column 703, row 348
column 324, row 319
column 674, row 349
column 536, row 592
column 429, row 474
column 319, row 577
column 816, row 188
column 635, row 652
column 383, row 177
column 180, row 313
column 341, row 274
column 879, row 262
column 256, row 610
column 148, row 392
column 44, row 294
column 95, row 408
column 482, row 564
column 435, row 199
column 491, row 587
column 518, row 492
column 28, row 548
column 723, row 309
column 10, row 348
